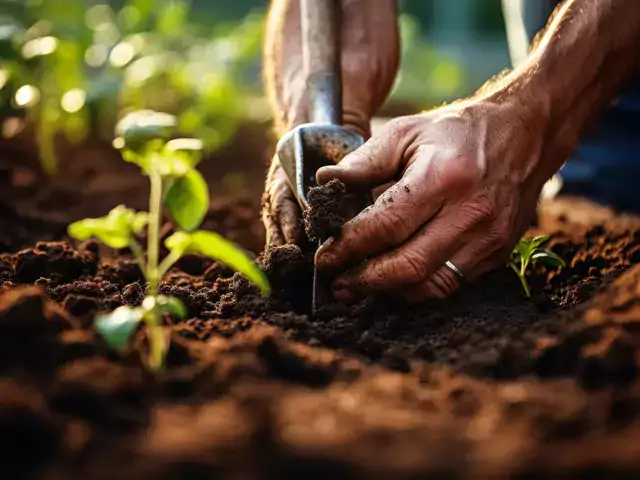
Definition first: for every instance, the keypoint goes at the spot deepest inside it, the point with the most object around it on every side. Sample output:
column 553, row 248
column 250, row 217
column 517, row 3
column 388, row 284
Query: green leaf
column 178, row 242
column 166, row 304
column 118, row 326
column 136, row 130
column 535, row 242
column 215, row 246
column 188, row 200
column 98, row 228
column 547, row 257
column 188, row 149
column 114, row 230
column 171, row 305
column 521, row 250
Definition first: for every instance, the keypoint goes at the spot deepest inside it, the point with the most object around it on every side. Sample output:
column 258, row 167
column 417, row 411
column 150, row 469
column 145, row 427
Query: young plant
column 528, row 252
column 143, row 138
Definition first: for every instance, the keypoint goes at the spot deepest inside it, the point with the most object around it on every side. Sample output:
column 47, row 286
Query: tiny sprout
column 144, row 139
column 528, row 252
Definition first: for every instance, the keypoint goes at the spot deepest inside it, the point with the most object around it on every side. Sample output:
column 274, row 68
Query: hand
column 467, row 186
column 370, row 56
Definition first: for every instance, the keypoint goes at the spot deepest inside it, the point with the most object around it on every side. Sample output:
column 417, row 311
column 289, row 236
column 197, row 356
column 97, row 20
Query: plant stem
column 157, row 344
column 522, row 277
column 153, row 237
column 168, row 262
column 136, row 249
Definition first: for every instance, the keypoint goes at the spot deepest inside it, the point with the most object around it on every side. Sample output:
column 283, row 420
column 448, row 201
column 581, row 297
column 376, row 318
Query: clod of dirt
column 53, row 260
column 289, row 272
column 324, row 218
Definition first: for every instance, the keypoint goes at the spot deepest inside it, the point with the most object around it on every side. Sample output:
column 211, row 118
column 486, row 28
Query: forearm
column 577, row 66
column 282, row 49
column 369, row 50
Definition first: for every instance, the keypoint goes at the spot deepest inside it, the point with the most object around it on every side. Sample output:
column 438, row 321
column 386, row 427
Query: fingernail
column 324, row 258
column 325, row 174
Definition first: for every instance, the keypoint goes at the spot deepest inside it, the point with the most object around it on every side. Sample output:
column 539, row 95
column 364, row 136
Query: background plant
column 72, row 66
column 144, row 138
column 528, row 252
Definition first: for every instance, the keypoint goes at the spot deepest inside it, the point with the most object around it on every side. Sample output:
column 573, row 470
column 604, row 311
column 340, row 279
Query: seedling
column 528, row 252
column 143, row 137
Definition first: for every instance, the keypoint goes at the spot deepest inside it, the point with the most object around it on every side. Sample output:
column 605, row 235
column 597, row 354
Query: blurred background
column 70, row 67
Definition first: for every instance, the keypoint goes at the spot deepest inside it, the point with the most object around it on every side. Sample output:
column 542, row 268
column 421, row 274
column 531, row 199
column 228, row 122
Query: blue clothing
column 606, row 165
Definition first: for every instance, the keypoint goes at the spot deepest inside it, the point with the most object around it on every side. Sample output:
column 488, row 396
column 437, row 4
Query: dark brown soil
column 324, row 218
column 331, row 205
column 485, row 384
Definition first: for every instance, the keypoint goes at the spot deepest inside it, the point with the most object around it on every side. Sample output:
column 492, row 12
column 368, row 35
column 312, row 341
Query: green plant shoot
column 144, row 139
column 527, row 252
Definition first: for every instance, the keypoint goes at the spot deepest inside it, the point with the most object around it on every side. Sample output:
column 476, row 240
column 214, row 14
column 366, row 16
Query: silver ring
column 454, row 269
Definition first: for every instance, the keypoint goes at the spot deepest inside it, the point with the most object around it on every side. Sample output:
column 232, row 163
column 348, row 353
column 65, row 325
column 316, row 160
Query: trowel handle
column 321, row 59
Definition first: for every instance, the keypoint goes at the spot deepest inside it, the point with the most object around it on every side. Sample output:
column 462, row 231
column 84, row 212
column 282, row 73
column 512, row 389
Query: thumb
column 376, row 162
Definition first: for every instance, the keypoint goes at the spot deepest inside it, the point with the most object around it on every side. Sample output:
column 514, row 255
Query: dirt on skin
column 485, row 384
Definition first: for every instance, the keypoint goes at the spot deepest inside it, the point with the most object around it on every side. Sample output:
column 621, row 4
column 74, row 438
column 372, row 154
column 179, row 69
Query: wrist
column 542, row 112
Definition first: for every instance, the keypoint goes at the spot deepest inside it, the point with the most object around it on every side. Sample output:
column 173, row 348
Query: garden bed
column 487, row 383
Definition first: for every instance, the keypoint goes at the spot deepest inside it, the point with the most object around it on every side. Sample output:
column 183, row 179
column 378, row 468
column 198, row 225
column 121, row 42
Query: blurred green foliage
column 426, row 77
column 74, row 66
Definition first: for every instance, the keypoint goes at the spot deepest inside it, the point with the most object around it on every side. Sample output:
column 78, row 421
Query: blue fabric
column 606, row 165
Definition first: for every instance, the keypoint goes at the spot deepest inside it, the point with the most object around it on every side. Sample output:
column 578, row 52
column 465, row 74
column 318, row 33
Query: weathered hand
column 467, row 186
column 370, row 56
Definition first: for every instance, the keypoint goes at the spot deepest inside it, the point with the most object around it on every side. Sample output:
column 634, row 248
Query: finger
column 422, row 255
column 376, row 192
column 395, row 215
column 376, row 162
column 287, row 213
column 473, row 259
column 283, row 207
column 274, row 235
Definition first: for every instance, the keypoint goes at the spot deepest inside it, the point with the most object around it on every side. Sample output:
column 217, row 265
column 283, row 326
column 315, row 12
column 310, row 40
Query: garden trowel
column 323, row 141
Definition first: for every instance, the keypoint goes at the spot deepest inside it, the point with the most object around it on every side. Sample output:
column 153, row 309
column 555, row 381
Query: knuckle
column 500, row 230
column 398, row 128
column 459, row 175
column 411, row 267
column 393, row 227
column 480, row 209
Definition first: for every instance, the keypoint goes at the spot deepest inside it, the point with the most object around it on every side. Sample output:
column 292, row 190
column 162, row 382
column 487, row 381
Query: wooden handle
column 321, row 59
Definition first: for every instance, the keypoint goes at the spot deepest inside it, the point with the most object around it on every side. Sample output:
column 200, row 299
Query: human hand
column 468, row 179
column 369, row 56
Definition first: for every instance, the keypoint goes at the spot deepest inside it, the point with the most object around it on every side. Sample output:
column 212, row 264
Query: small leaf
column 98, row 228
column 118, row 326
column 171, row 305
column 547, row 257
column 139, row 221
column 535, row 242
column 139, row 128
column 114, row 230
column 218, row 248
column 188, row 200
column 82, row 229
column 178, row 242
column 189, row 149
column 521, row 250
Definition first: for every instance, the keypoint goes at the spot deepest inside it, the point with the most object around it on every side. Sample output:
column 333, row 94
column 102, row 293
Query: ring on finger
column 449, row 264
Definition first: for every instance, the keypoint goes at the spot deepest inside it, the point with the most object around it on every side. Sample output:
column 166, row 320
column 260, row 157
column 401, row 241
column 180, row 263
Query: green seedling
column 527, row 252
column 144, row 139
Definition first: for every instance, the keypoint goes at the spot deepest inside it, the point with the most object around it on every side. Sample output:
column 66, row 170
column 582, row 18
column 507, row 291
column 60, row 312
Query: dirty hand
column 467, row 186
column 370, row 55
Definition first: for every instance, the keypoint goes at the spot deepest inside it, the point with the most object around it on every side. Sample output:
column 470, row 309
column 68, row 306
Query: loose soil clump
column 485, row 384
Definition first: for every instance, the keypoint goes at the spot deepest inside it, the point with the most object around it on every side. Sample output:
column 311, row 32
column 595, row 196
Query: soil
column 325, row 217
column 485, row 384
